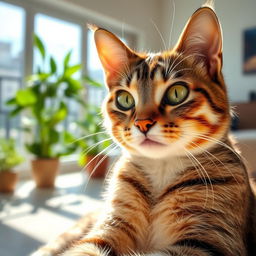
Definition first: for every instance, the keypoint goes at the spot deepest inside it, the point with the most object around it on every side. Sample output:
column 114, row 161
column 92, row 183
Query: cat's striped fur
column 187, row 192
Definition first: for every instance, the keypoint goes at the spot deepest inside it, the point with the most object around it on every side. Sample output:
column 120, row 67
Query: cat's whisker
column 224, row 166
column 205, row 152
column 160, row 34
column 211, row 139
column 205, row 171
column 110, row 168
column 172, row 24
column 95, row 145
column 221, row 144
column 100, row 153
column 183, row 59
column 169, row 66
column 98, row 164
column 103, row 158
column 123, row 74
column 87, row 136
column 200, row 173
column 183, row 69
column 93, row 159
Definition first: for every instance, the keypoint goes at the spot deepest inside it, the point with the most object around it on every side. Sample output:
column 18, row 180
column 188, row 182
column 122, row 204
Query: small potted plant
column 9, row 158
column 94, row 142
column 45, row 100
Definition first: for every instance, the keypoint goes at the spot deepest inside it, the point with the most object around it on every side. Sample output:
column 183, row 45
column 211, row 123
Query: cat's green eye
column 124, row 100
column 176, row 94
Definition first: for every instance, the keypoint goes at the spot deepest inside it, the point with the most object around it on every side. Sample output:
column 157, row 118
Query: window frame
column 60, row 11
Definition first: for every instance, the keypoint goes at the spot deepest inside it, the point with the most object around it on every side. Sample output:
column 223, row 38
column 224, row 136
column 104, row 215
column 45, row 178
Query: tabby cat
column 180, row 188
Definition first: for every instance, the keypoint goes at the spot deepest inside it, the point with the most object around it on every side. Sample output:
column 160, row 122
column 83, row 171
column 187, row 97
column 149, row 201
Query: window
column 61, row 30
column 95, row 95
column 59, row 38
column 11, row 63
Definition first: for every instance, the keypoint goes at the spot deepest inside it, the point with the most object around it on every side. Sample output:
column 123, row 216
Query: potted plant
column 94, row 142
column 9, row 158
column 45, row 100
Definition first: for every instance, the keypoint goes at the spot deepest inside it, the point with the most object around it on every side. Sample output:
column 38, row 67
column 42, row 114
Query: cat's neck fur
column 160, row 172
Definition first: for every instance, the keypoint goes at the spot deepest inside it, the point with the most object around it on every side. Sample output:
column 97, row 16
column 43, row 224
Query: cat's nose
column 144, row 124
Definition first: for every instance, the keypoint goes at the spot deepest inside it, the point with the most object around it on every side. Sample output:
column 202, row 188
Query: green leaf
column 16, row 111
column 80, row 100
column 39, row 45
column 9, row 157
column 25, row 97
column 67, row 150
column 26, row 129
column 105, row 144
column 38, row 109
column 59, row 115
column 34, row 148
column 39, row 70
column 51, row 90
column 68, row 137
column 92, row 82
column 67, row 59
column 72, row 70
column 38, row 77
column 53, row 65
column 53, row 136
column 11, row 101
column 82, row 160
column 74, row 86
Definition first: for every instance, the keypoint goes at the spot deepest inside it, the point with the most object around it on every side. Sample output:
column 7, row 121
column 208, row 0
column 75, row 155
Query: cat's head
column 172, row 102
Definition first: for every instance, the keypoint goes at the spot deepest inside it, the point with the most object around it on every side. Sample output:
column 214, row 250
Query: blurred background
column 51, row 89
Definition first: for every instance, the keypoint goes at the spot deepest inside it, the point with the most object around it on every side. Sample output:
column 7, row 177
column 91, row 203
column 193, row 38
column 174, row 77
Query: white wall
column 132, row 15
column 235, row 16
column 136, row 16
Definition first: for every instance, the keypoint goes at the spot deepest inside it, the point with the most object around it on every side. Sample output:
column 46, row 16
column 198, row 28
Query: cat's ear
column 202, row 38
column 113, row 53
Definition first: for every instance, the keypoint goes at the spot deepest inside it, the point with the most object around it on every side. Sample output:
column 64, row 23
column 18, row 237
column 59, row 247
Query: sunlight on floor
column 31, row 216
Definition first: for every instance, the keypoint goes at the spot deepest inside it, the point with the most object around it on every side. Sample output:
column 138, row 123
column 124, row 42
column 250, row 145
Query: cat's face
column 167, row 104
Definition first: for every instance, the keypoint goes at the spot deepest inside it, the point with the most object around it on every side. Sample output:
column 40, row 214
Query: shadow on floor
column 15, row 243
column 65, row 204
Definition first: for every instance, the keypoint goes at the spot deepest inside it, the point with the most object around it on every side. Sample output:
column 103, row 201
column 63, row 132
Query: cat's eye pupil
column 124, row 100
column 176, row 94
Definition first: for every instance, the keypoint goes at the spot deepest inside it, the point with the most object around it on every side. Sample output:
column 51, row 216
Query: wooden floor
column 31, row 217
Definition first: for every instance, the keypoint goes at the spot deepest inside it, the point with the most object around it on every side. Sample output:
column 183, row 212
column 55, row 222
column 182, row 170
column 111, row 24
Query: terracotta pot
column 97, row 167
column 44, row 172
column 8, row 180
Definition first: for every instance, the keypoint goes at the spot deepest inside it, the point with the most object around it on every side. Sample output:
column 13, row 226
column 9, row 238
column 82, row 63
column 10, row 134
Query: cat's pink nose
column 144, row 124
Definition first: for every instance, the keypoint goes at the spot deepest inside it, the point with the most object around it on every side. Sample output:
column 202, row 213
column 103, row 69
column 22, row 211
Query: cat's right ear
column 113, row 53
column 202, row 38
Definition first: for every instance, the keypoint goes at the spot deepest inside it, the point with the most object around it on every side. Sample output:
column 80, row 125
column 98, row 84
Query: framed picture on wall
column 249, row 63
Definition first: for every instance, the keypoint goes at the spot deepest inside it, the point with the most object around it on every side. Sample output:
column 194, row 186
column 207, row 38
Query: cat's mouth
column 149, row 142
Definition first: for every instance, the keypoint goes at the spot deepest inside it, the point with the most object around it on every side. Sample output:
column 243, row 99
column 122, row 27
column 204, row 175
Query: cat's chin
column 151, row 143
column 156, row 150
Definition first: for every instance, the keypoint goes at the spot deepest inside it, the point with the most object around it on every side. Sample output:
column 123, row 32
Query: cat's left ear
column 114, row 55
column 202, row 38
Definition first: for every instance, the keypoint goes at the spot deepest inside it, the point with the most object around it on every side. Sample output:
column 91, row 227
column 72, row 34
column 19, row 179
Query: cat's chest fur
column 161, row 173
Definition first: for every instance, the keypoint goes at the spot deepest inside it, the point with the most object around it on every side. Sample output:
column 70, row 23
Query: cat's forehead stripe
column 167, row 66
